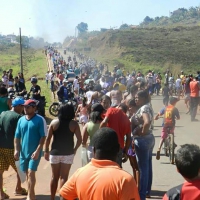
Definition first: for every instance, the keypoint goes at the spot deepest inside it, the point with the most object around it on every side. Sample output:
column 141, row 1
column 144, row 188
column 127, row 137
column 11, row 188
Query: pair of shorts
column 7, row 159
column 29, row 163
column 187, row 96
column 164, row 132
column 67, row 159
column 83, row 119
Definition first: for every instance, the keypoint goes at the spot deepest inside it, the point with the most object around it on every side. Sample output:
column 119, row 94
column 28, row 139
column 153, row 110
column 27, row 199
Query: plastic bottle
column 84, row 157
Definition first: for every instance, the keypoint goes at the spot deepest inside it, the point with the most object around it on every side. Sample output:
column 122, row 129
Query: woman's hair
column 96, row 116
column 66, row 112
column 131, row 103
column 3, row 91
column 105, row 97
column 143, row 94
column 84, row 101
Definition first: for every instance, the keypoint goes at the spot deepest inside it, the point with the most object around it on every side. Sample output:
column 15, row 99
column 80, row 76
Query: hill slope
column 146, row 47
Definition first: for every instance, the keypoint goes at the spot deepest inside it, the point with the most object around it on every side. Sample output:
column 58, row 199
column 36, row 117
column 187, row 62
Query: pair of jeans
column 165, row 100
column 143, row 149
column 194, row 101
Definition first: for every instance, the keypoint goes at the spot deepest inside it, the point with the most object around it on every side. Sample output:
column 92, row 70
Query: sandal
column 6, row 196
column 158, row 155
column 22, row 192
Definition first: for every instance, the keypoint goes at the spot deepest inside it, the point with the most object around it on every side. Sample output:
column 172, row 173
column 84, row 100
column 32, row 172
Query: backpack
column 168, row 116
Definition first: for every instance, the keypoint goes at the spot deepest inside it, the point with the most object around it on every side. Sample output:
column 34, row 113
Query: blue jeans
column 144, row 148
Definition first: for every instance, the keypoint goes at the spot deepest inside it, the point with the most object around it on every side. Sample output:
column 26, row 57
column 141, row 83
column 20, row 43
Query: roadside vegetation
column 34, row 63
column 158, row 44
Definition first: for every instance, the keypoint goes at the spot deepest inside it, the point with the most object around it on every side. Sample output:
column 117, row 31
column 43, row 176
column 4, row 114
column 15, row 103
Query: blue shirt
column 30, row 132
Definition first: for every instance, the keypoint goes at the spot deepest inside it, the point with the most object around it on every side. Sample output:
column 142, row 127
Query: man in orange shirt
column 102, row 178
column 194, row 98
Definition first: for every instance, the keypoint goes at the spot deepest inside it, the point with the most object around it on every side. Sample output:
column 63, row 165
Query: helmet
column 33, row 80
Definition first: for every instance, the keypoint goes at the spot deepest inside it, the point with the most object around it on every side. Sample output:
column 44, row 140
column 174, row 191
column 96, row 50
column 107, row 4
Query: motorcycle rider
column 35, row 89
column 63, row 91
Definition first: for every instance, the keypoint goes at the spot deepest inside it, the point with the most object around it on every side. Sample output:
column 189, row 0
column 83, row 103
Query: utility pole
column 20, row 43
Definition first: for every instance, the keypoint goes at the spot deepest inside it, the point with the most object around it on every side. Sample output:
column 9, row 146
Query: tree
column 147, row 20
column 82, row 27
column 124, row 26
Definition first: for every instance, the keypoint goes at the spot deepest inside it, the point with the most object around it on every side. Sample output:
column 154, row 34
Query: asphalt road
column 165, row 175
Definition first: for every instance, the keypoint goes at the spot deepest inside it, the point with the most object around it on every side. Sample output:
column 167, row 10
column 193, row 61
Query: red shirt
column 187, row 191
column 118, row 121
column 194, row 89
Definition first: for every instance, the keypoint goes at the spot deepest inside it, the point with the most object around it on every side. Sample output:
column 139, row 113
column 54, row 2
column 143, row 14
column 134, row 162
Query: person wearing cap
column 8, row 124
column 102, row 177
column 29, row 139
column 63, row 91
column 171, row 114
column 91, row 127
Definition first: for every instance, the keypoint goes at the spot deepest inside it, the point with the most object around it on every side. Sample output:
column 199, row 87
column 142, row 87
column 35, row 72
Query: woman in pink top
column 83, row 111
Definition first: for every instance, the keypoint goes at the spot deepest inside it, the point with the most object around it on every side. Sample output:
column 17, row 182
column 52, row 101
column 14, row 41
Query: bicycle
column 169, row 145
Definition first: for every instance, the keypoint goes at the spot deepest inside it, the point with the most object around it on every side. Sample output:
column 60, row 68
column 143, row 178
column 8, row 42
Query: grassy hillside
column 35, row 64
column 143, row 48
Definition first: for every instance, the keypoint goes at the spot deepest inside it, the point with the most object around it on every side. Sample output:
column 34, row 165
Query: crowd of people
column 116, row 113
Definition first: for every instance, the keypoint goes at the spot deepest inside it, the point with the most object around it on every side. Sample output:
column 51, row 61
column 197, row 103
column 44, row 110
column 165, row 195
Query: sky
column 55, row 19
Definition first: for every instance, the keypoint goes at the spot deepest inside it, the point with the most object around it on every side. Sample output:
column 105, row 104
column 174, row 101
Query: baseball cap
column 30, row 102
column 17, row 101
column 97, row 107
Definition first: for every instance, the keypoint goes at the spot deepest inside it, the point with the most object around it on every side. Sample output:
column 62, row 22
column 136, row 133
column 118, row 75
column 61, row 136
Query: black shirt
column 63, row 140
column 19, row 86
column 35, row 89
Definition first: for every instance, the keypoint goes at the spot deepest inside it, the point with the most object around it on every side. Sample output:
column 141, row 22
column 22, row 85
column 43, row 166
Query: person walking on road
column 29, row 140
column 8, row 124
column 63, row 150
column 102, row 178
column 194, row 98
column 144, row 141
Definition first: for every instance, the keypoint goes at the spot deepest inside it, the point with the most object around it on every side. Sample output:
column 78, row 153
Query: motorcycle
column 54, row 107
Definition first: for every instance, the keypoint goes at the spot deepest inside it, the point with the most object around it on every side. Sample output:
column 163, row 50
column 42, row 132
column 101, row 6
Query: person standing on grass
column 29, row 140
column 47, row 77
column 8, row 124
column 63, row 150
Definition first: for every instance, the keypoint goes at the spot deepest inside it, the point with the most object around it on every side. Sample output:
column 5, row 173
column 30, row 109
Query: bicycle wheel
column 171, row 148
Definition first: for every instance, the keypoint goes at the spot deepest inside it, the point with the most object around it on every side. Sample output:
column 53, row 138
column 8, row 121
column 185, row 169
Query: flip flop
column 22, row 192
column 6, row 196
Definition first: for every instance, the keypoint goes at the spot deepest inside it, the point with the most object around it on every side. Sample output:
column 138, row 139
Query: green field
column 35, row 64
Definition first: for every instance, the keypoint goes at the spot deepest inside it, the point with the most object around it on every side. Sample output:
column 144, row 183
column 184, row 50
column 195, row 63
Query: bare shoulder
column 55, row 123
column 73, row 125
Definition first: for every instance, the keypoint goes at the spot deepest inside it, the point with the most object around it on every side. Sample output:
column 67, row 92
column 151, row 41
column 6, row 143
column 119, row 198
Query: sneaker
column 158, row 155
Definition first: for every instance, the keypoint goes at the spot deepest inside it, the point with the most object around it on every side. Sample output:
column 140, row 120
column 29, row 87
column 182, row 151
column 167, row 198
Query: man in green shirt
column 8, row 123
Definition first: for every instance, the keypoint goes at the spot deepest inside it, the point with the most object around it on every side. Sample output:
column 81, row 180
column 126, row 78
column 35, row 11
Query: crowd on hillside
column 115, row 110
